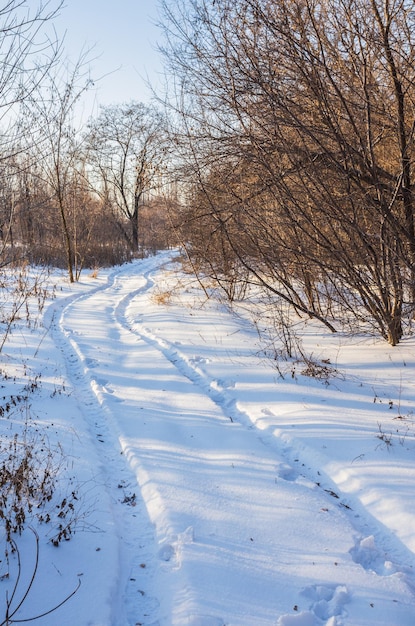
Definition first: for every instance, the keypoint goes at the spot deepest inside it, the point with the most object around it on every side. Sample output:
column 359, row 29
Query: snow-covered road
column 214, row 523
column 216, row 498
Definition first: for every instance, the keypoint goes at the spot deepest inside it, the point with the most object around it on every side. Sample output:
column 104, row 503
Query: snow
column 211, row 491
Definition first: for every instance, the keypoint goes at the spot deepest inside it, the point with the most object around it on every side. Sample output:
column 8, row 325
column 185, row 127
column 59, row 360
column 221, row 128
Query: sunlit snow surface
column 211, row 490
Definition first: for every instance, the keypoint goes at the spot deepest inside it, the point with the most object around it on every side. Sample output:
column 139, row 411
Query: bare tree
column 126, row 151
column 28, row 50
column 51, row 109
column 299, row 119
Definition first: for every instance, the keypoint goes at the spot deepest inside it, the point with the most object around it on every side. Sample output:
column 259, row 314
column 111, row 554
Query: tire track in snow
column 99, row 413
column 133, row 600
column 376, row 549
column 101, row 418
column 336, row 595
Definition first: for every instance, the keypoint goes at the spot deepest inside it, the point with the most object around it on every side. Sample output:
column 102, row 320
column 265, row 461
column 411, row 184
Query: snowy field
column 197, row 486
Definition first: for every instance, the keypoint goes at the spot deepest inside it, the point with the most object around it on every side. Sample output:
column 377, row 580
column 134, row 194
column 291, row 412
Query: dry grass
column 162, row 296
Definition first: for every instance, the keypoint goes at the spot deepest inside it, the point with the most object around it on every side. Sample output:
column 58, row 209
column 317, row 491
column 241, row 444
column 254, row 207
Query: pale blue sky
column 124, row 35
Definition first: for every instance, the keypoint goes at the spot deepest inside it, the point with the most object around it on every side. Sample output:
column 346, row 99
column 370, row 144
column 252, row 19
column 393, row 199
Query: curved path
column 208, row 511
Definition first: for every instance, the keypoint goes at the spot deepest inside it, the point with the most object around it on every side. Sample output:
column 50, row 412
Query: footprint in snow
column 167, row 552
column 91, row 363
column 225, row 383
column 327, row 600
column 326, row 603
column 171, row 548
column 286, row 472
column 366, row 554
column 199, row 360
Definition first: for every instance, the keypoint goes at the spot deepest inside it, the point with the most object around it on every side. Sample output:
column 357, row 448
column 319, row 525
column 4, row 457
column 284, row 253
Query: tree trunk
column 67, row 242
column 134, row 230
column 395, row 330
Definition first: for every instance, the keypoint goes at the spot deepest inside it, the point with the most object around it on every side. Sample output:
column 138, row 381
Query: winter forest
column 270, row 186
